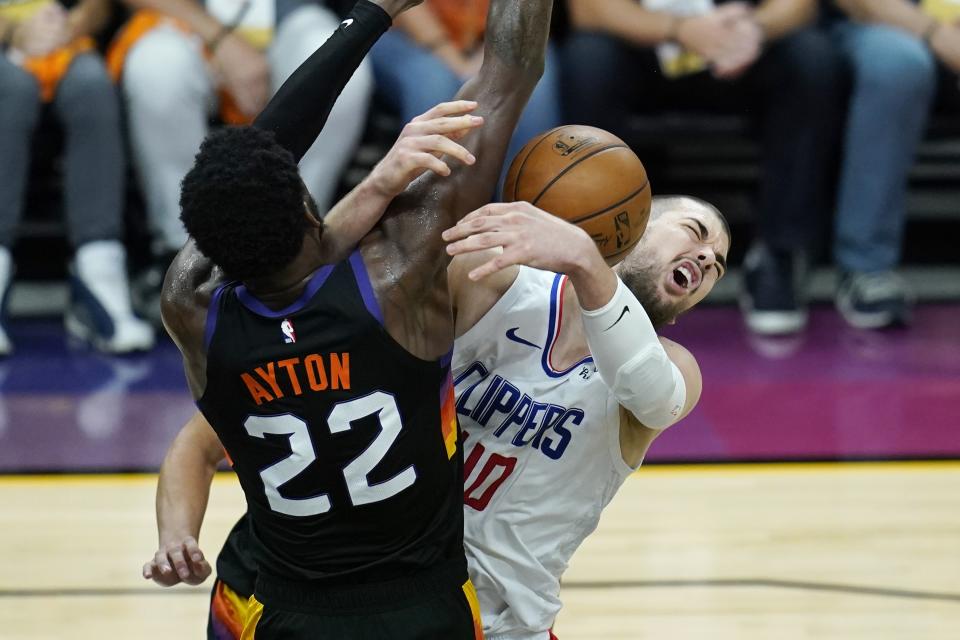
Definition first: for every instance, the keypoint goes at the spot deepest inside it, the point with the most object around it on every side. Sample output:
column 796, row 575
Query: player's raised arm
column 300, row 108
column 405, row 254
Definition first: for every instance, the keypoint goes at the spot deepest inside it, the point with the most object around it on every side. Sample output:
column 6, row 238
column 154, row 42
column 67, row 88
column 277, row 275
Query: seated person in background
column 889, row 47
column 50, row 58
column 181, row 59
column 434, row 48
column 626, row 56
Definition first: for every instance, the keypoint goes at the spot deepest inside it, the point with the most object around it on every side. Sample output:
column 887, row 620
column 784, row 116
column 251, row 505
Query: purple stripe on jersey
column 553, row 332
column 445, row 360
column 366, row 289
column 250, row 302
column 213, row 311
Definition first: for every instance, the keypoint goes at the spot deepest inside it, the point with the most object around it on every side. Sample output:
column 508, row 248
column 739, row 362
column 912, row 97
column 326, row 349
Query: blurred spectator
column 434, row 48
column 49, row 57
column 887, row 45
column 181, row 59
column 627, row 57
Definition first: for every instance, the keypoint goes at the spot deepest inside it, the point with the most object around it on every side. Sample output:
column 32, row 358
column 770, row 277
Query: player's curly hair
column 243, row 202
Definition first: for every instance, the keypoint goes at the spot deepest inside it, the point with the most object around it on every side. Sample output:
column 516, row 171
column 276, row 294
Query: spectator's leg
column 410, row 78
column 799, row 83
column 299, row 35
column 86, row 103
column 800, row 80
column 894, row 82
column 169, row 95
column 19, row 111
column 894, row 78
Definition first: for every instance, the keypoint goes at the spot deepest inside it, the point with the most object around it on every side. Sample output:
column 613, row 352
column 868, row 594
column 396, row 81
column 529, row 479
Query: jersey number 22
column 302, row 455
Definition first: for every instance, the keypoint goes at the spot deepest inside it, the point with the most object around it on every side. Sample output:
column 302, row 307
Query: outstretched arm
column 405, row 253
column 298, row 111
column 416, row 151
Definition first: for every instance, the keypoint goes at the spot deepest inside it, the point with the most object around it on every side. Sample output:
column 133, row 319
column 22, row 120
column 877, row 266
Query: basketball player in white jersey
column 562, row 384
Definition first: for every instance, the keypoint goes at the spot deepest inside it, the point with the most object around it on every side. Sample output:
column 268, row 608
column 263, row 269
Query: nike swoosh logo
column 346, row 23
column 625, row 311
column 512, row 335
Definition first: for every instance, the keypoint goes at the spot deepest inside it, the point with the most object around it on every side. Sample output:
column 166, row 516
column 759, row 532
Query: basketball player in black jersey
column 328, row 382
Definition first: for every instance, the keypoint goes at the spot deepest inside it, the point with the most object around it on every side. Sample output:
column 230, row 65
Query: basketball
column 588, row 177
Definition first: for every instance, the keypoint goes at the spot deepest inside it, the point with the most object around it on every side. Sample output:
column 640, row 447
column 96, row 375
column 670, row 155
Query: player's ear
column 310, row 212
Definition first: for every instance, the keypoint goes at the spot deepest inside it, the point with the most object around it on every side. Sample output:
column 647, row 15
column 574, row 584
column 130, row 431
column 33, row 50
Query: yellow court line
column 744, row 468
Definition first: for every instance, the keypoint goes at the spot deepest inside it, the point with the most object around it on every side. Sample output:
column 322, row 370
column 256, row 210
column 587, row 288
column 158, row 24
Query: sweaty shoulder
column 472, row 300
column 187, row 290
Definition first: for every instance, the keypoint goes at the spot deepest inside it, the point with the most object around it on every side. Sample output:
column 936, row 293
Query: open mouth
column 687, row 276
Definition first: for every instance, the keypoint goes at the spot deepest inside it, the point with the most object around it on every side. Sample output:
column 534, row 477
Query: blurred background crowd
column 819, row 127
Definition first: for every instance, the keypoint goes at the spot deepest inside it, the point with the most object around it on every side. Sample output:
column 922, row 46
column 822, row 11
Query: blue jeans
column 412, row 80
column 894, row 80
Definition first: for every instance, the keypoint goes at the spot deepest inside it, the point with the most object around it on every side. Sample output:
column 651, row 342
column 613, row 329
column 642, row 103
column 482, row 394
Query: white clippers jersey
column 542, row 455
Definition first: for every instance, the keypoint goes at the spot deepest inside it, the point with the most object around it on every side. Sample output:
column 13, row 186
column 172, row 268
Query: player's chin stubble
column 642, row 280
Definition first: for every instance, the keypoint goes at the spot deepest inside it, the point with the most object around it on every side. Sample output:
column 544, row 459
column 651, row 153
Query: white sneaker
column 6, row 277
column 99, row 311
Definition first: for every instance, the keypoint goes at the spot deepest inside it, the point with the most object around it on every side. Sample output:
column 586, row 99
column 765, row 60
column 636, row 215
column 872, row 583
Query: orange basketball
column 588, row 177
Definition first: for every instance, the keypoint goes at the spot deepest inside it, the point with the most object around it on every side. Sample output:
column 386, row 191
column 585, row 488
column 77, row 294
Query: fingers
column 498, row 263
column 459, row 125
column 477, row 242
column 475, row 222
column 447, row 109
column 442, row 145
column 430, row 162
column 148, row 570
column 192, row 549
column 179, row 562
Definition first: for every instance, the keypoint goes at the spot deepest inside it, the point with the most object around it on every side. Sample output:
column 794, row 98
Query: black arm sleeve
column 298, row 111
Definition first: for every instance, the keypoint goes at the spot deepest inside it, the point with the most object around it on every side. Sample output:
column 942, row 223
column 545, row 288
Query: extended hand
column 527, row 235
column 244, row 72
column 423, row 142
column 178, row 561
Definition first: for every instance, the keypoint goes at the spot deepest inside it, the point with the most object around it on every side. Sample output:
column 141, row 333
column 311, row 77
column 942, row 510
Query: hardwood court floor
column 745, row 552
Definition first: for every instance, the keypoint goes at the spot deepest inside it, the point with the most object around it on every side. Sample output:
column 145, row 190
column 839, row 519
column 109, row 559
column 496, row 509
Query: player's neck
column 281, row 289
column 571, row 345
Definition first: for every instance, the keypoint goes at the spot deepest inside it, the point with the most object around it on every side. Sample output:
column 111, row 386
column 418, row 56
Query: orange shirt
column 465, row 20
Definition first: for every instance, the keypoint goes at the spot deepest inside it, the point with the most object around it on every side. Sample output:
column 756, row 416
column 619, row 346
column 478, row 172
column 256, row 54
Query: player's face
column 682, row 255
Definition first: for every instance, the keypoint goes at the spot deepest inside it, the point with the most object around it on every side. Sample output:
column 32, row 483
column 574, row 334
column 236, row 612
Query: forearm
column 594, row 281
column 299, row 110
column 633, row 362
column 88, row 17
column 189, row 12
column 184, row 484
column 352, row 218
column 897, row 13
column 779, row 18
column 625, row 19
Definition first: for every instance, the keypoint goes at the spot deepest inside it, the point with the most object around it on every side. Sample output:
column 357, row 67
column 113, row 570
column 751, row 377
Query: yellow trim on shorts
column 254, row 613
column 471, row 594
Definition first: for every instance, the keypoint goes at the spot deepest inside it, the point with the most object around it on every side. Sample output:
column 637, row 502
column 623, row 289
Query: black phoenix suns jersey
column 345, row 444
